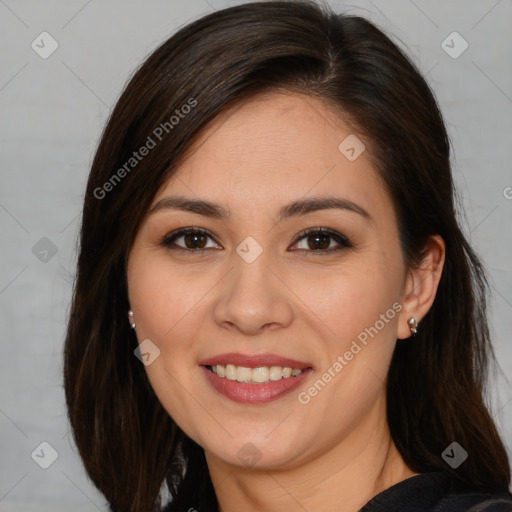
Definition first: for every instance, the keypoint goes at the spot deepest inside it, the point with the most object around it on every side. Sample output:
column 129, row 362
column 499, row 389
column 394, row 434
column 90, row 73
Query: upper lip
column 253, row 361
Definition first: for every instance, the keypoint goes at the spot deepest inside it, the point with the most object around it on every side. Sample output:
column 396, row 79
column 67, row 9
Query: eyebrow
column 294, row 209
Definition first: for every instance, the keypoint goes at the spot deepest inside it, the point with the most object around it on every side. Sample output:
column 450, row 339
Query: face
column 265, row 284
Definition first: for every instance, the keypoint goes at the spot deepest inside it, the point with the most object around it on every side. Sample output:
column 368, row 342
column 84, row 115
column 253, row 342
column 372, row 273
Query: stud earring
column 413, row 325
column 130, row 319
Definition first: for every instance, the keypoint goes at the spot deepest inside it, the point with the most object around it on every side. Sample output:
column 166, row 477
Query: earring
column 413, row 325
column 130, row 319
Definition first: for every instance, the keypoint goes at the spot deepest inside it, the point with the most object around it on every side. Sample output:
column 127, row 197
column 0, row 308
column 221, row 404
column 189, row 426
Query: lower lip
column 254, row 393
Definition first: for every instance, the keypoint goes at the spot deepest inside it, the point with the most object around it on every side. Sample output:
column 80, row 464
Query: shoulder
column 475, row 502
column 463, row 497
column 439, row 492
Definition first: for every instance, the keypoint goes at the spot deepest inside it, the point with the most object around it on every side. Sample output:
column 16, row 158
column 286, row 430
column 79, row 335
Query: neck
column 342, row 479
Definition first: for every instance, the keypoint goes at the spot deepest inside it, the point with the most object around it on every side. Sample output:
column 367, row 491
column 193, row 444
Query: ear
column 421, row 284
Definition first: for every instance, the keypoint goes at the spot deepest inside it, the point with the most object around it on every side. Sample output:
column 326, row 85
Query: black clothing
column 437, row 492
column 427, row 492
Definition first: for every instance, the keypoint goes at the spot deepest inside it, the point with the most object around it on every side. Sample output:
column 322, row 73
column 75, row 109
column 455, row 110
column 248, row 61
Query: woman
column 275, row 307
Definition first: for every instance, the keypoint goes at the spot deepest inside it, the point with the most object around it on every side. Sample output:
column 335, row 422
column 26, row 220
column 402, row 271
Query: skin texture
column 335, row 452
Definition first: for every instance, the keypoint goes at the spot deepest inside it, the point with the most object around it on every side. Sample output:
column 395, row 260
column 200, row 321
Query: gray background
column 52, row 114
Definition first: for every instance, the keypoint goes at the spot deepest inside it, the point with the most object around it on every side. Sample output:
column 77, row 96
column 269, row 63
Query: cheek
column 360, row 305
column 366, row 318
column 358, row 297
column 167, row 304
column 163, row 296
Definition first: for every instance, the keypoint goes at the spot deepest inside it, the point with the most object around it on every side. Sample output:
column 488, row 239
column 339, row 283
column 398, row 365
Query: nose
column 253, row 297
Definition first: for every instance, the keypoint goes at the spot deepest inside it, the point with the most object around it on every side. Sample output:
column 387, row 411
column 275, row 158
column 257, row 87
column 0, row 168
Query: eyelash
column 343, row 241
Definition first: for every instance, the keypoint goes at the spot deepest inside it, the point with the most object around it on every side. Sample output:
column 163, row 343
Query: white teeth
column 255, row 375
column 276, row 373
column 261, row 374
column 243, row 374
column 230, row 371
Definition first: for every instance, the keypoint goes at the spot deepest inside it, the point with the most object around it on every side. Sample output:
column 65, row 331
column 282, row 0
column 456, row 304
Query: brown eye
column 194, row 240
column 321, row 241
column 314, row 240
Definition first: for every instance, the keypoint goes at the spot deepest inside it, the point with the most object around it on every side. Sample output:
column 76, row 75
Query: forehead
column 273, row 148
column 272, row 129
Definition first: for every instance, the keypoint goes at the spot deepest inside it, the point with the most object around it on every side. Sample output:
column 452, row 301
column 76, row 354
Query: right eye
column 194, row 240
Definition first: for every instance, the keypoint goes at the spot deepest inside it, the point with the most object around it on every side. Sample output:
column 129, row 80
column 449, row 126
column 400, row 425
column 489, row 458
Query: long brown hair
column 436, row 384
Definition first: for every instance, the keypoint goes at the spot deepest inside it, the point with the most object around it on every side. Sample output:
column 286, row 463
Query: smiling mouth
column 258, row 375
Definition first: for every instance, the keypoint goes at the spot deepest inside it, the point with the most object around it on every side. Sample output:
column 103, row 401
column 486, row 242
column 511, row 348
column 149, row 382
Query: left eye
column 318, row 240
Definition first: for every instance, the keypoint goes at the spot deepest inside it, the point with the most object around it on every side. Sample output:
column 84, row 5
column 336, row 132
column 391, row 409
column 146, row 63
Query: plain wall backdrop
column 52, row 110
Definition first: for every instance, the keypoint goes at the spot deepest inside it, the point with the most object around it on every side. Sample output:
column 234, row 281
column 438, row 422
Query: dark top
column 437, row 492
column 427, row 492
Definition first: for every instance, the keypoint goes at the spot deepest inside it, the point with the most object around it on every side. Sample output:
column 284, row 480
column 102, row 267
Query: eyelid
column 342, row 241
column 177, row 233
column 325, row 231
